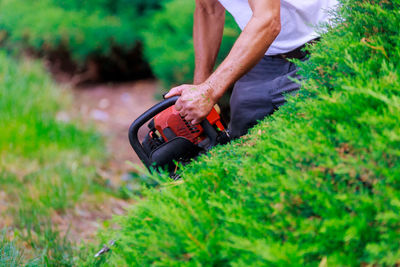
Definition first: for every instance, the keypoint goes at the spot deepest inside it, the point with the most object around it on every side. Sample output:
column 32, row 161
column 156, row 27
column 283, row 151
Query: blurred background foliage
column 105, row 31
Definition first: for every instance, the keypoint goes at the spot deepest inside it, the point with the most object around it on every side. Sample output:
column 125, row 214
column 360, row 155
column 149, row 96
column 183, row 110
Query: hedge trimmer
column 173, row 141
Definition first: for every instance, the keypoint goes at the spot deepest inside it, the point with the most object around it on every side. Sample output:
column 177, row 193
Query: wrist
column 208, row 92
column 201, row 75
column 218, row 87
column 199, row 79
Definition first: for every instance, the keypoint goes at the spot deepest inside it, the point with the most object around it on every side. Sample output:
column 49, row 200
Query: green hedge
column 316, row 184
column 83, row 28
column 44, row 26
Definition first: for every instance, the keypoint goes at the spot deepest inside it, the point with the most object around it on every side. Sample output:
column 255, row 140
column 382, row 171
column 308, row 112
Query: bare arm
column 196, row 101
column 250, row 47
column 209, row 19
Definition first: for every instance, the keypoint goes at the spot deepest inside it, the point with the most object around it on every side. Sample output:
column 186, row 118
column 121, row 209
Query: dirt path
column 112, row 108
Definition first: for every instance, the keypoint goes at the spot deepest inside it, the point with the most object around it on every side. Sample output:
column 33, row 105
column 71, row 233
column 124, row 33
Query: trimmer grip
column 139, row 122
column 209, row 130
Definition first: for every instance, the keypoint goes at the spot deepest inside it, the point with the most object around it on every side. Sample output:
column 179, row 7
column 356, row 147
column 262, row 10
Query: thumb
column 174, row 92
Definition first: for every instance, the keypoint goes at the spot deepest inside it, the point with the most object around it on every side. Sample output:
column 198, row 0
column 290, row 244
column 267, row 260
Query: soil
column 111, row 108
column 80, row 224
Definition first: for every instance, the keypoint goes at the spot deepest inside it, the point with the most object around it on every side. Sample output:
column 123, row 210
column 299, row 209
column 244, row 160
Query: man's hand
column 195, row 101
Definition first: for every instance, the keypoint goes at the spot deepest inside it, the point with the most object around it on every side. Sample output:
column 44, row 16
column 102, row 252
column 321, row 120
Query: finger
column 183, row 114
column 178, row 105
column 189, row 118
column 196, row 121
column 174, row 92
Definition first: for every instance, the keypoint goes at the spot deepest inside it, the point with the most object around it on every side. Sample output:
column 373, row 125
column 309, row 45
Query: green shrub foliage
column 84, row 28
column 315, row 184
column 50, row 26
column 114, row 7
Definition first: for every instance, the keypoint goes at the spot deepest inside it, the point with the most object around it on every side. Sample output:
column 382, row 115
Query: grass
column 9, row 254
column 47, row 166
column 316, row 184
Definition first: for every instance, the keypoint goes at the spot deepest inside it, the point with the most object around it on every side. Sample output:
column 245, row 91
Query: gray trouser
column 260, row 92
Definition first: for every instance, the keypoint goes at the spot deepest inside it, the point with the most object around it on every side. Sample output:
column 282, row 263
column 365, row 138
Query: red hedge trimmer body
column 171, row 139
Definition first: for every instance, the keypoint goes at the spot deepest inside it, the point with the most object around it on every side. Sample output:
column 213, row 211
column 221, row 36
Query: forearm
column 248, row 50
column 207, row 36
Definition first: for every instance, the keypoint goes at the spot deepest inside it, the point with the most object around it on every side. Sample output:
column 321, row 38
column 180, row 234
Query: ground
column 112, row 108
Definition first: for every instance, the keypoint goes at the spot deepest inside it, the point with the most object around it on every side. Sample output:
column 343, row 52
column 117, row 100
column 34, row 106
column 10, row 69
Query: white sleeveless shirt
column 298, row 20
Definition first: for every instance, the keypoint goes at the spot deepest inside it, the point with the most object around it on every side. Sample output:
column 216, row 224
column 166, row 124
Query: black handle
column 149, row 114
